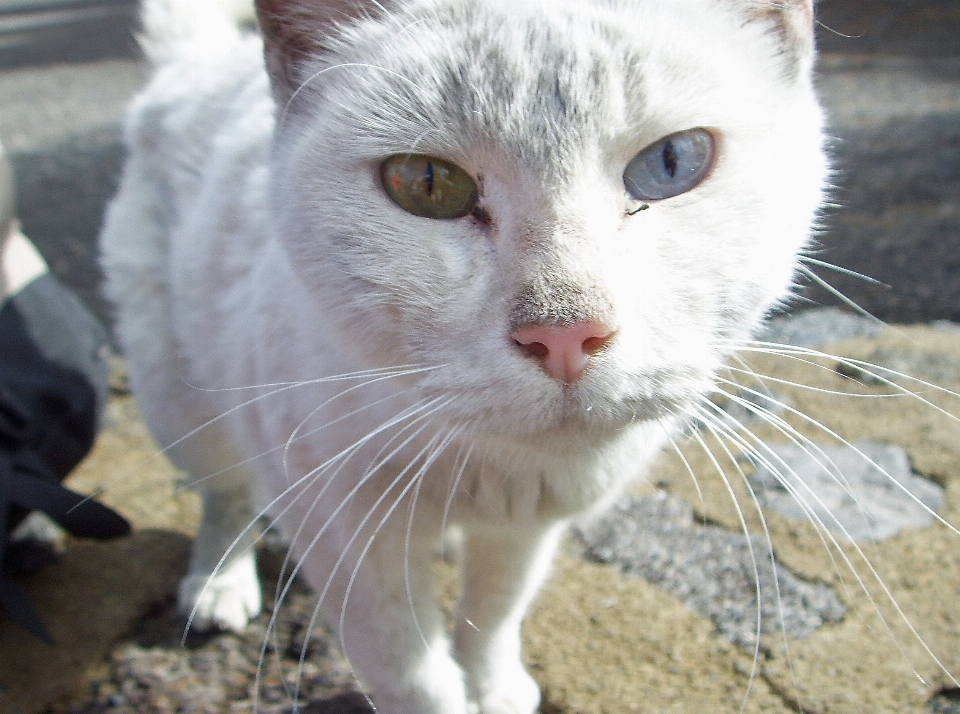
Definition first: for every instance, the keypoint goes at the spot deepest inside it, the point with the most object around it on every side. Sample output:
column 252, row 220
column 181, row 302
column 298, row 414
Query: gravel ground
column 159, row 671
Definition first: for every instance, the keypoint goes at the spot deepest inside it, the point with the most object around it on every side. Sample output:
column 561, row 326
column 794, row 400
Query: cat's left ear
column 792, row 22
column 296, row 30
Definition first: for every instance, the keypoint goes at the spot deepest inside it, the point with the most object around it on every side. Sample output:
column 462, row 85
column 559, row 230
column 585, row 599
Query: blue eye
column 674, row 165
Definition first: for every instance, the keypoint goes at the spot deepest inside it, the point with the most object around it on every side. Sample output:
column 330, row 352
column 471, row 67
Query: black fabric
column 53, row 377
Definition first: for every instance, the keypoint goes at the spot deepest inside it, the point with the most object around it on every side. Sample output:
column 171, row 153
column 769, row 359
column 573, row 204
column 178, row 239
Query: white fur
column 254, row 262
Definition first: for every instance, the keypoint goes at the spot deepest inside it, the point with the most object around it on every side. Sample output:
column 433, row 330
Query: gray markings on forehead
column 536, row 88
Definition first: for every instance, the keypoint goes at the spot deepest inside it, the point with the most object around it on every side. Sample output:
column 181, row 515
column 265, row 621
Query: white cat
column 446, row 262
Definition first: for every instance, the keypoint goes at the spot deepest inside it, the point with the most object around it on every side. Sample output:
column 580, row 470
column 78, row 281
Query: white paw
column 226, row 600
column 511, row 693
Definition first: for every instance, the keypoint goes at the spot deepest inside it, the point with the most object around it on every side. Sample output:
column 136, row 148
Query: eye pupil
column 670, row 159
column 676, row 164
column 429, row 187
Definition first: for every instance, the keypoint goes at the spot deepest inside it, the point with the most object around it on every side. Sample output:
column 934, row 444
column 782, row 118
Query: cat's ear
column 295, row 30
column 792, row 21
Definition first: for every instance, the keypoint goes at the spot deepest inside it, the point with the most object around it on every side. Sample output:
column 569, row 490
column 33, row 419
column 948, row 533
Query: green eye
column 428, row 187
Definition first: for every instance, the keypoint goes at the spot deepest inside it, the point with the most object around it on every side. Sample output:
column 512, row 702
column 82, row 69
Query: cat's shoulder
column 200, row 104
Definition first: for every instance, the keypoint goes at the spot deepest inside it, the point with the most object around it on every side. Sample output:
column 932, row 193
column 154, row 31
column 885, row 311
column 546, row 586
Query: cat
column 397, row 267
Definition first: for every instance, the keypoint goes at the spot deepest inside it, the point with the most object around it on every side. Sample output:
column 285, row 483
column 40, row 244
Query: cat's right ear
column 295, row 30
column 792, row 21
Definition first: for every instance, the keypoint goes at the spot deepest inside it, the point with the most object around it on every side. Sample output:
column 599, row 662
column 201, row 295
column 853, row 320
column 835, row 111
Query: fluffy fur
column 289, row 326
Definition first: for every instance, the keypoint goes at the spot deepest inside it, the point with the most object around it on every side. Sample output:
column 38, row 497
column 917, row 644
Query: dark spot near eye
column 481, row 215
column 670, row 159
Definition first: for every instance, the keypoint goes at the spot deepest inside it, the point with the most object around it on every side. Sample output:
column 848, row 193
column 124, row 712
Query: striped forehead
column 540, row 90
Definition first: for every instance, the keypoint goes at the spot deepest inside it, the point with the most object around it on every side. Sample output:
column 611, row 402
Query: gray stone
column 715, row 572
column 867, row 492
column 819, row 327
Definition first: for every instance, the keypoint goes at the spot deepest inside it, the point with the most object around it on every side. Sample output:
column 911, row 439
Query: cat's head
column 573, row 205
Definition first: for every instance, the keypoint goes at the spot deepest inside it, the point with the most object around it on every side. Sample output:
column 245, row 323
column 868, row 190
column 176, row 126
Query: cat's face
column 553, row 113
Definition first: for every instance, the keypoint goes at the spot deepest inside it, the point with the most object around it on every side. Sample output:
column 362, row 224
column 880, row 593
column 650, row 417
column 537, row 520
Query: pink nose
column 563, row 351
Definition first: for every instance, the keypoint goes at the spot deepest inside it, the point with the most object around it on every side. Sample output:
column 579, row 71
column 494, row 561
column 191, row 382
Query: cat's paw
column 515, row 693
column 226, row 600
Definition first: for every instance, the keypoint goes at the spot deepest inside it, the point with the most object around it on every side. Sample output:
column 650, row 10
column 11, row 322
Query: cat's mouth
column 596, row 407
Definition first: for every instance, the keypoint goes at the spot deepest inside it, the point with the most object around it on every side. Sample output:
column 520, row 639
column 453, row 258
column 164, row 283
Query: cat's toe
column 518, row 694
column 226, row 600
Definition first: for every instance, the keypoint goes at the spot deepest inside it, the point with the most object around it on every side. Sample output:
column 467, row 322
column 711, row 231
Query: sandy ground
column 597, row 641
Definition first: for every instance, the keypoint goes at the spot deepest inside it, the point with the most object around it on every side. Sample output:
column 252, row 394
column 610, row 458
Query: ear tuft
column 296, row 30
column 792, row 21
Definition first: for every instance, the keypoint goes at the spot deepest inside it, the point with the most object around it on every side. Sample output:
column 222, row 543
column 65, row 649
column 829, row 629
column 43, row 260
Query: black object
column 53, row 385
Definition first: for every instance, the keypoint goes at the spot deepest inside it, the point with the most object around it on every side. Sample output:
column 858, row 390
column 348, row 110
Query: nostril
column 537, row 349
column 563, row 351
column 592, row 345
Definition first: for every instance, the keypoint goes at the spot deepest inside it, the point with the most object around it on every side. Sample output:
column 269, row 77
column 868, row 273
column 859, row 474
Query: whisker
column 872, row 370
column 455, row 483
column 423, row 411
column 370, row 512
column 833, row 434
column 841, row 270
column 837, row 294
column 888, row 595
column 718, row 428
column 342, row 65
column 753, row 557
column 285, row 446
column 451, row 436
column 417, row 413
column 399, row 370
column 349, row 544
column 415, row 482
column 283, row 387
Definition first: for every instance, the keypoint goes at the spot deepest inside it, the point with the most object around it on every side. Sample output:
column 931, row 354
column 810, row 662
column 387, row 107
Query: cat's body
column 383, row 375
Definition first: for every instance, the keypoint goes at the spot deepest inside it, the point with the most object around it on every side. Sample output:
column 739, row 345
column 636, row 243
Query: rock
column 713, row 571
column 818, row 327
column 865, row 491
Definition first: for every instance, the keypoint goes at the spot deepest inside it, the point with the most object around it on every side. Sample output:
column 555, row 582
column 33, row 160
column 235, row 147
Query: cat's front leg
column 502, row 572
column 379, row 597
column 222, row 589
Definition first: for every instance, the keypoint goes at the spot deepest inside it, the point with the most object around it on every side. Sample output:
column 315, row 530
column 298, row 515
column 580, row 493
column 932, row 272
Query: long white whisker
column 414, row 481
column 836, row 293
column 858, row 549
column 308, row 478
column 718, row 427
column 342, row 65
column 352, row 540
column 825, row 429
column 746, row 532
column 418, row 414
column 287, row 444
column 441, row 446
column 455, row 484
column 382, row 497
column 841, row 270
column 797, row 353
